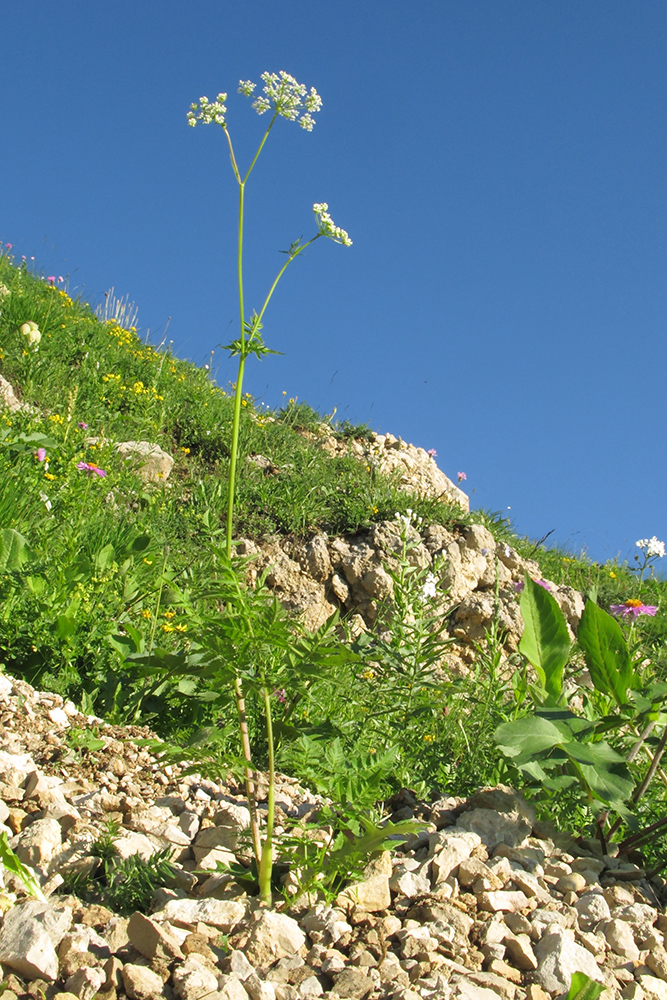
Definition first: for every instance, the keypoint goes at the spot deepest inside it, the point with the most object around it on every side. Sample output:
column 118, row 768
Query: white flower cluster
column 286, row 97
column 405, row 520
column 429, row 588
column 32, row 335
column 326, row 227
column 208, row 111
column 653, row 547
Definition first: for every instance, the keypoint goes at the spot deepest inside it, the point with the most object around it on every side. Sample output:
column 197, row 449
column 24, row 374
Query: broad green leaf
column 545, row 640
column 582, row 987
column 606, row 652
column 65, row 627
column 524, row 739
column 595, row 754
column 140, row 543
column 105, row 557
column 14, row 550
column 609, row 786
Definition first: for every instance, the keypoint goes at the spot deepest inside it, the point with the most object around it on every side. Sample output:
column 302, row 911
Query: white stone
column 230, row 988
column 39, row 843
column 152, row 463
column 60, row 717
column 621, row 940
column 141, row 983
column 29, row 936
column 591, row 908
column 273, row 936
column 259, row 989
column 85, row 983
column 654, row 988
column 193, row 980
column 224, row 914
column 559, row 957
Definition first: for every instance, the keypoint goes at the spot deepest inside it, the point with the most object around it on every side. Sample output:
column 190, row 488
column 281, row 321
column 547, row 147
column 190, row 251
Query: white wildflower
column 429, row 588
column 326, row 226
column 208, row 111
column 654, row 548
column 45, row 500
column 261, row 104
column 246, row 87
column 4, row 291
column 288, row 98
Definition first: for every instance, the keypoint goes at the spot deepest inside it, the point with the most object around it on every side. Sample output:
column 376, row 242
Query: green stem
column 266, row 864
column 248, row 773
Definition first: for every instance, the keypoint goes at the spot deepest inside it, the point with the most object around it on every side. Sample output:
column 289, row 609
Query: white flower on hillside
column 429, row 588
column 326, row 226
column 654, row 548
column 208, row 111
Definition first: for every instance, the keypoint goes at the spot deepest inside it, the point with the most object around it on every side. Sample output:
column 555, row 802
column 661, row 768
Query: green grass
column 113, row 567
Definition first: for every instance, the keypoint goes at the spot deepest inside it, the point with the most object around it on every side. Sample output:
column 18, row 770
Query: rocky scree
column 483, row 903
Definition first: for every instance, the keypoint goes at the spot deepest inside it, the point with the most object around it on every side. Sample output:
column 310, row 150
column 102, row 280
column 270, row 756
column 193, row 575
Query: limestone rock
column 29, row 936
column 152, row 940
column 39, row 844
column 86, row 983
column 152, row 463
column 223, row 914
column 193, row 980
column 141, row 983
column 273, row 936
column 559, row 957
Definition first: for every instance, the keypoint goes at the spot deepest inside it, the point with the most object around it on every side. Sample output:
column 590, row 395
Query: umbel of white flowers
column 286, row 97
column 283, row 95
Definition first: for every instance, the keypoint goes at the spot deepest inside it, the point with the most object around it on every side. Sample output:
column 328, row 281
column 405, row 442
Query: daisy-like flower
column 208, row 111
column 326, row 226
column 632, row 608
column 286, row 97
column 91, row 469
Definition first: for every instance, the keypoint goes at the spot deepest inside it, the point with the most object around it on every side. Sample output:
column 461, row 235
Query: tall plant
column 283, row 97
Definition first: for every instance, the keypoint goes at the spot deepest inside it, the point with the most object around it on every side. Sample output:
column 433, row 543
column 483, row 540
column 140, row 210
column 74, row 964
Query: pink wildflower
column 9, row 245
column 632, row 609
column 40, row 454
column 540, row 583
column 432, row 452
column 91, row 469
column 461, row 476
column 84, row 427
column 51, row 279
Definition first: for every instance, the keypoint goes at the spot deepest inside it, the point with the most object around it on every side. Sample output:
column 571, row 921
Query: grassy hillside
column 112, row 587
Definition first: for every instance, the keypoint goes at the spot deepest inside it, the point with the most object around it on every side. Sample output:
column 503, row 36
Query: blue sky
column 499, row 164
